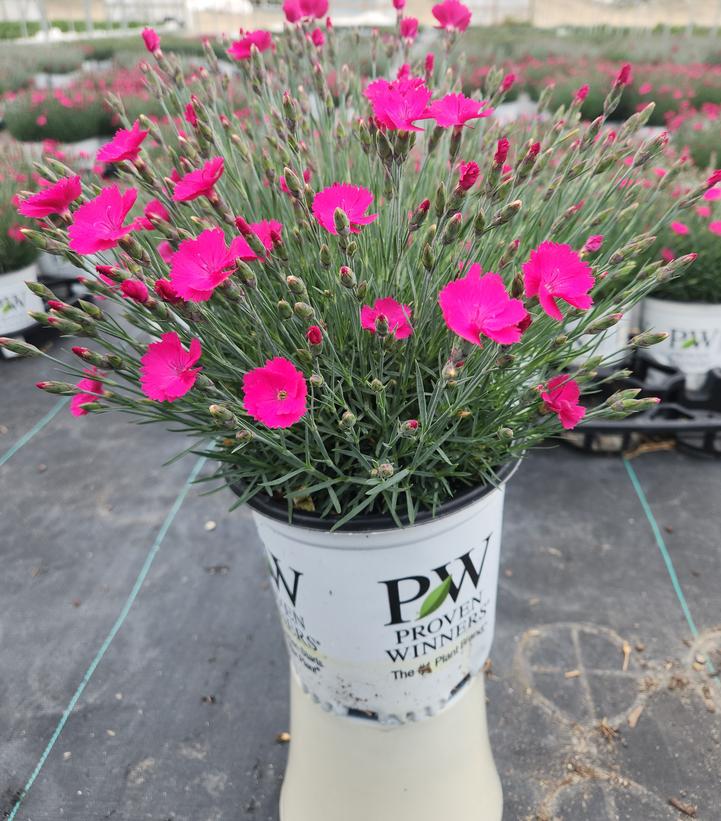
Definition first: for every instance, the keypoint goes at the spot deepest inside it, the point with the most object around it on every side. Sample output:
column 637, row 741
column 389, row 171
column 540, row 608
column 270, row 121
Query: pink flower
column 452, row 15
column 268, row 232
column 134, row 289
column 399, row 5
column 98, row 225
column 593, row 243
column 555, row 271
column 712, row 194
column 501, row 151
column 55, row 199
column 398, row 104
column 165, row 368
column 455, row 110
column 703, row 211
column 190, row 116
column 679, row 228
column 275, row 394
column 624, row 76
column 409, row 28
column 582, row 93
column 151, row 40
column 154, row 210
column 240, row 49
column 41, row 120
column 714, row 179
column 561, row 397
column 468, row 173
column 508, row 81
column 92, row 390
column 317, row 37
column 398, row 317
column 353, row 200
column 164, row 289
column 125, row 145
column 314, row 335
column 478, row 305
column 201, row 264
column 296, row 10
column 715, row 227
column 645, row 88
column 165, row 250
column 199, row 183
column 429, row 65
column 667, row 255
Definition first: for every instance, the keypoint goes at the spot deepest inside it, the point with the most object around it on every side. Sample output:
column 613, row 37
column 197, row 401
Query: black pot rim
column 267, row 506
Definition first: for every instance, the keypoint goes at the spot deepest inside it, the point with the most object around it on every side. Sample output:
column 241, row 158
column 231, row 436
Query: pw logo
column 281, row 580
column 452, row 577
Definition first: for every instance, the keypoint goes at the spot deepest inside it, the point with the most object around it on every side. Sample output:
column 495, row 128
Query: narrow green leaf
column 435, row 598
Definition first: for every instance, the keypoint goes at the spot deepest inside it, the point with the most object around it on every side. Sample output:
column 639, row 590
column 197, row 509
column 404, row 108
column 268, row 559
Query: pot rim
column 374, row 522
column 685, row 303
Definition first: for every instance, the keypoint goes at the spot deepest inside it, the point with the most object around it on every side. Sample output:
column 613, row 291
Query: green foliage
column 16, row 252
column 31, row 120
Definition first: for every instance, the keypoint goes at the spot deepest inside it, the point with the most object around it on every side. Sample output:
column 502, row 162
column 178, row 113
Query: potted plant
column 58, row 66
column 362, row 308
column 689, row 308
column 18, row 256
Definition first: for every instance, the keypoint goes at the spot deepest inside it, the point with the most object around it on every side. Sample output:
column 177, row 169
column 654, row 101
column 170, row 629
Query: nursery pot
column 388, row 630
column 16, row 300
column 612, row 344
column 694, row 342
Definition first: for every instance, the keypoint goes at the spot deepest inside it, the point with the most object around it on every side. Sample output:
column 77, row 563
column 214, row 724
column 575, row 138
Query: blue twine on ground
column 660, row 541
column 144, row 570
column 35, row 429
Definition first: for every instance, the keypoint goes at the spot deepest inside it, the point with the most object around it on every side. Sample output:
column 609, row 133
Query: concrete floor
column 180, row 717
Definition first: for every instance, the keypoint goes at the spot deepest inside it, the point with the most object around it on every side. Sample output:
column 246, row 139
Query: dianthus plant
column 357, row 294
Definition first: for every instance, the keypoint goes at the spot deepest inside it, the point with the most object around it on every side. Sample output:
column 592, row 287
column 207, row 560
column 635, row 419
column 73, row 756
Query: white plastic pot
column 46, row 80
column 694, row 342
column 16, row 300
column 388, row 631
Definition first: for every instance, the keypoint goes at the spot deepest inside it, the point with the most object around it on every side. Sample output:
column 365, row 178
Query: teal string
column 35, row 429
column 660, row 541
column 144, row 570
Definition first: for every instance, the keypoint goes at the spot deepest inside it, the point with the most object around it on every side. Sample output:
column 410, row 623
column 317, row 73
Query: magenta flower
column 351, row 199
column 98, row 225
column 508, row 81
column 275, row 394
column 151, row 40
column 399, row 5
column 409, row 28
column 154, row 211
column 561, row 397
column 199, row 183
column 92, row 390
column 478, row 305
column 398, row 317
column 714, row 178
column 499, row 158
column 166, row 371
column 134, row 289
column 624, row 76
column 468, row 173
column 54, row 199
column 680, row 228
column 593, row 243
column 268, row 232
column 455, row 110
column 398, row 104
column 712, row 194
column 125, row 145
column 317, row 37
column 452, row 15
column 715, row 227
column 201, row 264
column 582, row 93
column 240, row 49
column 296, row 10
column 555, row 271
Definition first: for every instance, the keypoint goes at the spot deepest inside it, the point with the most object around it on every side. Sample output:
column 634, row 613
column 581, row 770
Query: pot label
column 389, row 631
column 15, row 301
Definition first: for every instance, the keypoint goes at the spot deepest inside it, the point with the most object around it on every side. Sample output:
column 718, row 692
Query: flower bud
column 297, row 287
column 316, row 380
column 341, row 222
column 603, row 324
column 303, row 310
column 295, row 186
column 674, row 267
column 40, row 290
column 505, row 434
column 418, row 217
column 439, row 201
column 325, row 257
column 506, row 214
column 427, row 258
column 347, row 277
column 347, row 421
column 479, row 223
column 65, row 326
column 648, row 338
column 453, row 229
column 314, row 335
column 222, row 414
column 59, row 388
column 381, row 325
column 409, row 428
column 284, row 309
column 18, row 347
column 620, row 396
column 385, row 470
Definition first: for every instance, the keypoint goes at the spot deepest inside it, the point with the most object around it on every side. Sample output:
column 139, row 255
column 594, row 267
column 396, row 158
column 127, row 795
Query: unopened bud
column 59, row 388
column 439, row 201
column 303, row 310
column 325, row 257
column 341, row 222
column 453, row 229
column 284, row 309
column 40, row 290
column 409, row 428
column 18, row 347
column 603, row 324
column 506, row 214
column 347, row 421
column 316, row 380
column 505, row 434
column 648, row 338
column 347, row 277
column 385, row 470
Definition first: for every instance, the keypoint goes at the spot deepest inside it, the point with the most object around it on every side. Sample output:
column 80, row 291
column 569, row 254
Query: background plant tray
column 689, row 420
column 180, row 718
